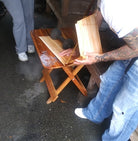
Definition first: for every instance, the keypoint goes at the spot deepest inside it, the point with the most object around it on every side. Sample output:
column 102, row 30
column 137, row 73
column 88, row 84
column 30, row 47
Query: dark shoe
column 83, row 101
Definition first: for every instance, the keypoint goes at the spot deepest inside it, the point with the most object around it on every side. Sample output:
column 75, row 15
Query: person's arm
column 68, row 52
column 123, row 53
column 130, row 50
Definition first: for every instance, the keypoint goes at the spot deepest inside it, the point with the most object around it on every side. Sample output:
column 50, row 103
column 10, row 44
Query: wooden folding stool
column 50, row 62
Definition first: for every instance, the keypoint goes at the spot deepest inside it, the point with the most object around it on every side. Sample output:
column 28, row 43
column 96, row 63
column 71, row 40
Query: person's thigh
column 100, row 107
column 28, row 8
column 14, row 7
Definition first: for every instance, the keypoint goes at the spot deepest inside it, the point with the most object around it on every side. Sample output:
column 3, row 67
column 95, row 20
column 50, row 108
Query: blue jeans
column 22, row 12
column 118, row 94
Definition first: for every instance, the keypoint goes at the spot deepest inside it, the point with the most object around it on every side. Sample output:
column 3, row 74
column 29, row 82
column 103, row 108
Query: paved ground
column 24, row 114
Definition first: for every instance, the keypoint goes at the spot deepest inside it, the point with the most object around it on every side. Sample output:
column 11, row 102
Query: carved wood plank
column 88, row 35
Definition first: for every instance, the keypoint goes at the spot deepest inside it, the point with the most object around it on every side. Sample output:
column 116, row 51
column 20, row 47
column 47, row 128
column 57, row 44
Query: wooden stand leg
column 72, row 75
column 91, row 83
column 74, row 79
column 80, row 84
column 94, row 75
column 50, row 86
column 42, row 79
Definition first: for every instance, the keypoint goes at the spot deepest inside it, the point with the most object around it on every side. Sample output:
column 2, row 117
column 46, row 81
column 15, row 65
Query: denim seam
column 100, row 109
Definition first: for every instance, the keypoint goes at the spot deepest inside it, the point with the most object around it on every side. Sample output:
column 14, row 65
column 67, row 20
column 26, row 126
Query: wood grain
column 88, row 35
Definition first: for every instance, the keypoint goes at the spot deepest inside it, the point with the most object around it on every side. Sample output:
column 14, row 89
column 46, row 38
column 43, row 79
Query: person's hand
column 90, row 58
column 68, row 52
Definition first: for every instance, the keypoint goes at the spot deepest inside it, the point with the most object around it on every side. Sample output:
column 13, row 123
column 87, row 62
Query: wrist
column 101, row 57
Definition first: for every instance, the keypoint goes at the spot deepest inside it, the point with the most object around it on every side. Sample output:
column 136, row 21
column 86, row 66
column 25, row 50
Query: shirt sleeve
column 98, row 4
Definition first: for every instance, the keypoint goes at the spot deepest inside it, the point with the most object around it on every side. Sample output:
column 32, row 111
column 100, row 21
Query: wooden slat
column 50, row 86
column 88, row 35
column 54, row 46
